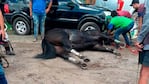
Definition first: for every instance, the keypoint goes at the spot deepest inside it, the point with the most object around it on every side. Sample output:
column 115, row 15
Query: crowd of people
column 119, row 22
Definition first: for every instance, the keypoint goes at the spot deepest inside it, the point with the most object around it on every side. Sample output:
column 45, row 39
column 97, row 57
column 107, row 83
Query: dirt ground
column 104, row 68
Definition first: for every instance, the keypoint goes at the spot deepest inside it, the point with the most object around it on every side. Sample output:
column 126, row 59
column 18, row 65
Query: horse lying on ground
column 62, row 42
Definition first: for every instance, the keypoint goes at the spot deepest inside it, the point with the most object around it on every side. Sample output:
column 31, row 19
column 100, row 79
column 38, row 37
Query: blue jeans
column 39, row 20
column 3, row 79
column 2, row 76
column 123, row 31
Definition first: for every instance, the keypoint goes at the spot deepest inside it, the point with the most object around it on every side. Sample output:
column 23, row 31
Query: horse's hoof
column 86, row 60
column 83, row 66
column 118, row 54
column 82, row 57
column 122, row 45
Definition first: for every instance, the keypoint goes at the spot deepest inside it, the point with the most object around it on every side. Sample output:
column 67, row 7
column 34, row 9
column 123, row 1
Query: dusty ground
column 104, row 68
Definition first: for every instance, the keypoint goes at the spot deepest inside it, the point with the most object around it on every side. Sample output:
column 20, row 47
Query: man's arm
column 140, row 20
column 110, row 28
column 49, row 6
column 30, row 7
column 143, row 32
column 145, row 28
column 2, row 25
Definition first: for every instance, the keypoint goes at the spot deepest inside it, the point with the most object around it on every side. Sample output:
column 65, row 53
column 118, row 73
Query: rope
column 3, row 59
column 134, row 51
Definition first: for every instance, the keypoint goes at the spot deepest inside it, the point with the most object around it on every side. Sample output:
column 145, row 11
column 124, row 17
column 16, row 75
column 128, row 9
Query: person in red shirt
column 121, row 13
column 124, row 13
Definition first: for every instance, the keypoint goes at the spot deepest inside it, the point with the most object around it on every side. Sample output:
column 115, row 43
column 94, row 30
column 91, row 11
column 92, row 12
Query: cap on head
column 134, row 1
column 114, row 13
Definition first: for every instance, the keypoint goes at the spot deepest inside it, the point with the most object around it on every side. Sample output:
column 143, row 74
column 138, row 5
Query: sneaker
column 42, row 37
column 10, row 53
column 35, row 40
column 127, row 46
column 116, row 41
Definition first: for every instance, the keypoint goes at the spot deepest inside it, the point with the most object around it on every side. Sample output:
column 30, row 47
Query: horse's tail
column 48, row 50
column 43, row 44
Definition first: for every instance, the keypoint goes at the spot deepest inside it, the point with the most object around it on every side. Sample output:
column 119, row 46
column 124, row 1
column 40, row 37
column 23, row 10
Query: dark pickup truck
column 63, row 14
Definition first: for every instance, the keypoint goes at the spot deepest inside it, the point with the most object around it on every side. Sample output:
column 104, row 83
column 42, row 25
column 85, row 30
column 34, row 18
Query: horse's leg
column 68, row 47
column 74, row 60
column 85, row 59
column 65, row 55
column 63, row 52
column 98, row 47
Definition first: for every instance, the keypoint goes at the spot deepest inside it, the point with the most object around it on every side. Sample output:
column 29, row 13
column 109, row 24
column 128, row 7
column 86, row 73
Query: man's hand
column 3, row 35
column 49, row 6
column 30, row 14
column 47, row 10
column 139, row 46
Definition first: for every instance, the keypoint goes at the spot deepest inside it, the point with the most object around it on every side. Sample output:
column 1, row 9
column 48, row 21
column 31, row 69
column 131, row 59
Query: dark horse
column 62, row 42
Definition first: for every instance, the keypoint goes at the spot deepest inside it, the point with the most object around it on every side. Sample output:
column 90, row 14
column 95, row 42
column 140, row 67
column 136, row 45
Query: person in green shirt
column 121, row 25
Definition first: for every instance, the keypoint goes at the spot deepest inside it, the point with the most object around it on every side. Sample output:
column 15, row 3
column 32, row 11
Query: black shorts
column 144, row 57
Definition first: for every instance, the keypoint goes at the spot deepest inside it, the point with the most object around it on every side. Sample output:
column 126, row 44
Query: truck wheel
column 89, row 26
column 21, row 26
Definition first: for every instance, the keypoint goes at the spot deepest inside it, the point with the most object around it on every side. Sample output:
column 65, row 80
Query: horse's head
column 92, row 32
column 101, row 36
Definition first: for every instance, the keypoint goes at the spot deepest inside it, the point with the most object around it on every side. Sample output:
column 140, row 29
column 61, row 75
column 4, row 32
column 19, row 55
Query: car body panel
column 62, row 13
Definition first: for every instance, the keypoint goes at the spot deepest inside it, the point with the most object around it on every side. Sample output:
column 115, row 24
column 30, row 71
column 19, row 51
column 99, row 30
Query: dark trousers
column 144, row 57
column 3, row 79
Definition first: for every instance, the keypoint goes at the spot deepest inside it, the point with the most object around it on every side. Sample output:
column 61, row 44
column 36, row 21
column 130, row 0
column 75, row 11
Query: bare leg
column 144, row 75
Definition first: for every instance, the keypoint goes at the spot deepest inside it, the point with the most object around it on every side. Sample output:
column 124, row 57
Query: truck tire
column 89, row 26
column 21, row 26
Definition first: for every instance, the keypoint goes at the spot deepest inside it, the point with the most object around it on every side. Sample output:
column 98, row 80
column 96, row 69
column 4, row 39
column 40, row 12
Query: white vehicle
column 116, row 4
